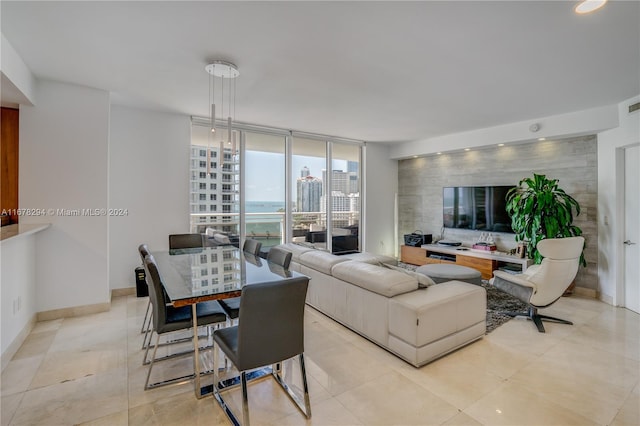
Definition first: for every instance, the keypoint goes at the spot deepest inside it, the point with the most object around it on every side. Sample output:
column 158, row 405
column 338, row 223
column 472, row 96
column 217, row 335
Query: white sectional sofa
column 388, row 307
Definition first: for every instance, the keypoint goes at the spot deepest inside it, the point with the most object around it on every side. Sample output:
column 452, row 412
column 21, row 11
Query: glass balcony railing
column 268, row 227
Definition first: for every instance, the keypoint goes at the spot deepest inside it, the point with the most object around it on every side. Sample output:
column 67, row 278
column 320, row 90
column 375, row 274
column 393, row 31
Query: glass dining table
column 195, row 275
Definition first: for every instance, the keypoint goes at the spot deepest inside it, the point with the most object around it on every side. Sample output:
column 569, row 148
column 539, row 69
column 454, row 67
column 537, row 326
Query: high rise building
column 339, row 181
column 214, row 188
column 309, row 191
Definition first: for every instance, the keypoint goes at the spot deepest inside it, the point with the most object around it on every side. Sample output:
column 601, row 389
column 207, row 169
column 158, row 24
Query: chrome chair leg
column 146, row 315
column 303, row 405
column 305, row 387
column 245, row 400
column 155, row 349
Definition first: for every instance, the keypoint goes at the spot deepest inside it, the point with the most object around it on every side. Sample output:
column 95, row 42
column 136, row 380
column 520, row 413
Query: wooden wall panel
column 9, row 125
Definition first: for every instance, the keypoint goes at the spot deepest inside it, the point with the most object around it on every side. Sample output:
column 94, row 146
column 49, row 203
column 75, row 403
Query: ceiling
column 374, row 71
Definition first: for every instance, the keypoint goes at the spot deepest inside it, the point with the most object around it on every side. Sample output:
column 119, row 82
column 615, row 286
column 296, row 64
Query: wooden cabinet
column 9, row 161
column 413, row 255
column 485, row 266
column 485, row 262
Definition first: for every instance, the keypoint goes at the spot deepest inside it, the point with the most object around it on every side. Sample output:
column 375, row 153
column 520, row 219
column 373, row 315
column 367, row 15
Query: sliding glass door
column 264, row 190
column 308, row 164
column 345, row 198
column 303, row 189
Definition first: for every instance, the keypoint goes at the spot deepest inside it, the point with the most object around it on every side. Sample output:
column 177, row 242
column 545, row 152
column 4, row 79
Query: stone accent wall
column 572, row 161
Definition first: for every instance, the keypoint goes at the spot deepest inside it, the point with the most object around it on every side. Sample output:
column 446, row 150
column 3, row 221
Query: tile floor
column 87, row 370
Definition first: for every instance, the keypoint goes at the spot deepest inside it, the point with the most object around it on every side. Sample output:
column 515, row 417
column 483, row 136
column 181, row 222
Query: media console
column 484, row 261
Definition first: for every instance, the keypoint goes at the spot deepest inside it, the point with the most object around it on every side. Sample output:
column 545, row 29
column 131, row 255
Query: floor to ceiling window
column 308, row 164
column 264, row 189
column 320, row 177
column 345, row 198
column 214, row 184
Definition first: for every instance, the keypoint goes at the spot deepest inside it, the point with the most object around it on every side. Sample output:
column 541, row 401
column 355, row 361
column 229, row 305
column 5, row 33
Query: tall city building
column 214, row 188
column 353, row 185
column 339, row 181
column 309, row 190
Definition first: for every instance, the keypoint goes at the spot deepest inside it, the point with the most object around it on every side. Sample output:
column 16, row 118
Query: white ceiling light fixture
column 588, row 6
column 226, row 72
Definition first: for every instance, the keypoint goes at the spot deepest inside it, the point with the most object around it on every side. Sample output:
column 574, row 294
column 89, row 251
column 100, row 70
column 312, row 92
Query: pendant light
column 225, row 72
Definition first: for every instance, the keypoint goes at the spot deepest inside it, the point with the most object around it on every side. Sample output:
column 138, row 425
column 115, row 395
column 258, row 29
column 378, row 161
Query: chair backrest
column 143, row 249
column 279, row 257
column 271, row 323
column 252, row 258
column 252, row 246
column 155, row 293
column 179, row 241
column 557, row 270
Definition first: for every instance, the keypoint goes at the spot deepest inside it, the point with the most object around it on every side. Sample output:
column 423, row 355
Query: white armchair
column 541, row 285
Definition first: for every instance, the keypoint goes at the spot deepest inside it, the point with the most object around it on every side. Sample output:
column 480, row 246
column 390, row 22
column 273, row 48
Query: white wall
column 381, row 186
column 611, row 200
column 18, row 279
column 17, row 74
column 149, row 177
column 63, row 165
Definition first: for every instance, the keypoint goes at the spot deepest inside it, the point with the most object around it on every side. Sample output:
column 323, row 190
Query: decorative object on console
column 417, row 238
column 485, row 247
column 485, row 242
column 449, row 243
column 539, row 209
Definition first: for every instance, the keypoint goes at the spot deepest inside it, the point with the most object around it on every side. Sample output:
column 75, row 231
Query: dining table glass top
column 199, row 274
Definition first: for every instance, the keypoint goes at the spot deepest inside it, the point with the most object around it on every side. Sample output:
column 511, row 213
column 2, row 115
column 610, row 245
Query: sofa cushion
column 372, row 258
column 295, row 249
column 377, row 279
column 321, row 261
column 423, row 280
column 425, row 316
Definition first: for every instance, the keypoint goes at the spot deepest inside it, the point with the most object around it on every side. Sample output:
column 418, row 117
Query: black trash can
column 141, row 283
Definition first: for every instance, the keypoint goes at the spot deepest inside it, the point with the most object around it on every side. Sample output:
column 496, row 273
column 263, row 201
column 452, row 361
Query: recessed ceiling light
column 467, row 149
column 542, row 139
column 588, row 6
column 500, row 144
column 439, row 153
column 415, row 156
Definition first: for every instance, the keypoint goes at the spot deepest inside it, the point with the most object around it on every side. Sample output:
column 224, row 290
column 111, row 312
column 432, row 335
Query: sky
column 265, row 173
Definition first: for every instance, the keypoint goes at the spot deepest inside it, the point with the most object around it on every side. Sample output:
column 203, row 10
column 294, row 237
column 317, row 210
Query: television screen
column 481, row 208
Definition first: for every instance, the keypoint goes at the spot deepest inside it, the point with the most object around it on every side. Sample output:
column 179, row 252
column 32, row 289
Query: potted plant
column 539, row 209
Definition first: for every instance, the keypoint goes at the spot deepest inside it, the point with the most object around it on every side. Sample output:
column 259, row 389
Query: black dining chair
column 181, row 241
column 252, row 246
column 270, row 331
column 279, row 257
column 143, row 250
column 168, row 319
column 232, row 306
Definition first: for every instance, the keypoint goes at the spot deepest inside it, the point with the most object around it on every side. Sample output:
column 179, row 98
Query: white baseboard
column 585, row 292
column 74, row 311
column 126, row 291
column 54, row 314
column 8, row 354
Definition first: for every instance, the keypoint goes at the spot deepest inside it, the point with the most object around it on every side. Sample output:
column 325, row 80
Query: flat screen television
column 480, row 208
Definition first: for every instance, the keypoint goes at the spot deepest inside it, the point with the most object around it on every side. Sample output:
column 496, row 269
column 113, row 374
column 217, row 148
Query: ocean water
column 264, row 206
column 265, row 227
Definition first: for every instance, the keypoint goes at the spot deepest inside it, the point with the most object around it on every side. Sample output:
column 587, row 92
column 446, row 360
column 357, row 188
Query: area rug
column 497, row 302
